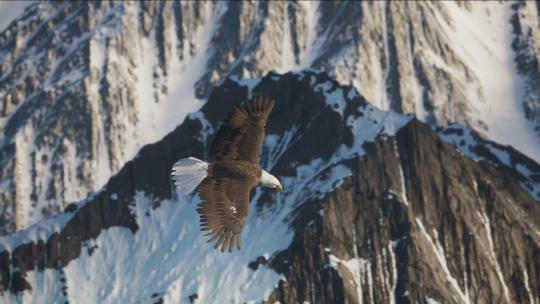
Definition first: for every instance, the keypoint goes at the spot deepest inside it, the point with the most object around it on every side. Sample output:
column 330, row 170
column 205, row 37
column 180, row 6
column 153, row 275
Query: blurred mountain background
column 407, row 136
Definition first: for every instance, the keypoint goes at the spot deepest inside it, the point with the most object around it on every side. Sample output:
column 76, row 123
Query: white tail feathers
column 188, row 173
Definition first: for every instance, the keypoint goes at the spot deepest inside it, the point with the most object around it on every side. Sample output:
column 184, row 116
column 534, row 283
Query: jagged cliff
column 417, row 221
column 377, row 207
column 84, row 85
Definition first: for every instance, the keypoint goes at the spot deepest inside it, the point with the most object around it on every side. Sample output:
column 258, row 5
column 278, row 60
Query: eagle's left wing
column 223, row 210
column 241, row 136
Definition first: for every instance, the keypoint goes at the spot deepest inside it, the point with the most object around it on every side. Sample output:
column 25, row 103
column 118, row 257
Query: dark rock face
column 415, row 220
column 459, row 230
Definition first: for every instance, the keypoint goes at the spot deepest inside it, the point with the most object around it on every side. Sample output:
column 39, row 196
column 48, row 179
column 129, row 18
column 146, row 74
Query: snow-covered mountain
column 377, row 207
column 83, row 86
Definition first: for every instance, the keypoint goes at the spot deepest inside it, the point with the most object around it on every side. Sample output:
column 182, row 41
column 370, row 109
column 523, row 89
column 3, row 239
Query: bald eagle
column 228, row 179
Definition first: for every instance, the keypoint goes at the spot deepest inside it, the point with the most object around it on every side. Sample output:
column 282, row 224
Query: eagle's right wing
column 223, row 210
column 241, row 136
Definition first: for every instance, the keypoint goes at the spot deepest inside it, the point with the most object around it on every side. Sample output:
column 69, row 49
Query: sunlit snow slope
column 484, row 35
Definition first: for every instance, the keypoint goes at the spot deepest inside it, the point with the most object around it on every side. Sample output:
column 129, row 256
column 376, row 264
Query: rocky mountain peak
column 387, row 209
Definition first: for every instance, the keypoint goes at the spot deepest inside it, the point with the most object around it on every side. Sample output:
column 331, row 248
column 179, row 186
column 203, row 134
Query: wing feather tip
column 231, row 244
column 237, row 237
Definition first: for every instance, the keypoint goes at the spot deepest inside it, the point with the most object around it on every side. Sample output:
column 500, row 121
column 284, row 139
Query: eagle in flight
column 226, row 182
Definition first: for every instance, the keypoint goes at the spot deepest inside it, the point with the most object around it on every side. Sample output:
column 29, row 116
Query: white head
column 270, row 181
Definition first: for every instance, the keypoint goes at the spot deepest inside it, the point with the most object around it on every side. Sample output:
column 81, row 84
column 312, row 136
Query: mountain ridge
column 376, row 198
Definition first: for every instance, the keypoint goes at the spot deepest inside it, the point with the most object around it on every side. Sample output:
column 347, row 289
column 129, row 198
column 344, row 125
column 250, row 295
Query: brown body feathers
column 225, row 191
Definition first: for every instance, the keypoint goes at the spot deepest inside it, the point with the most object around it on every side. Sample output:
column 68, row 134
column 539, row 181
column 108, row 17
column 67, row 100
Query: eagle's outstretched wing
column 241, row 136
column 223, row 210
